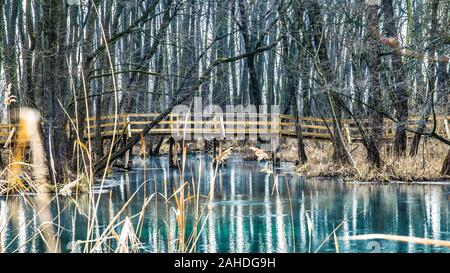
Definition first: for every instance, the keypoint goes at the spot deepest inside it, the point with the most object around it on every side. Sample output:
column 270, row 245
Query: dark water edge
column 247, row 214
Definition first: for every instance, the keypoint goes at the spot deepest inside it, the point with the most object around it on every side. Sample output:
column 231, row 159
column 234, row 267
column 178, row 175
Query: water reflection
column 246, row 215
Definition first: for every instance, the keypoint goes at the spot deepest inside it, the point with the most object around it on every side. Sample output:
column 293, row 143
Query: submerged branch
column 406, row 239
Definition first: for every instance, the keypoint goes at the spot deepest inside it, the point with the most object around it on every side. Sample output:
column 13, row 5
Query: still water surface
column 248, row 214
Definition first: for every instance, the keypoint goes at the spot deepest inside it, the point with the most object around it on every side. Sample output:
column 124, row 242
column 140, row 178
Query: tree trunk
column 340, row 154
column 11, row 59
column 254, row 87
column 292, row 62
column 428, row 105
column 400, row 85
column 221, row 87
column 55, row 83
column 28, row 44
column 375, row 93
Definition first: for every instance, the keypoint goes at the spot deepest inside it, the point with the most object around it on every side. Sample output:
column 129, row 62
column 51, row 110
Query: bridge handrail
column 312, row 127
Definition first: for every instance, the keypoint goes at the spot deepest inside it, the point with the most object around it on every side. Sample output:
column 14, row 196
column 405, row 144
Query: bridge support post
column 126, row 157
column 127, row 135
column 183, row 146
column 215, row 147
column 173, row 153
column 275, row 160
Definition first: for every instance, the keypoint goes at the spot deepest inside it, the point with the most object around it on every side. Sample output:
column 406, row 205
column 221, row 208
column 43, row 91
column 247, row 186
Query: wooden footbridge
column 223, row 128
column 226, row 128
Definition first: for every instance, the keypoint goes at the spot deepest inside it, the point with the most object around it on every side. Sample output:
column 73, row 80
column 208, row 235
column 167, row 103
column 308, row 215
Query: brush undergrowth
column 425, row 166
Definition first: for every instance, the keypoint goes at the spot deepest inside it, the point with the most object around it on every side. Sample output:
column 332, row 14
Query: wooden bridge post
column 215, row 146
column 220, row 148
column 143, row 152
column 127, row 135
column 173, row 153
column 275, row 160
column 182, row 145
column 205, row 145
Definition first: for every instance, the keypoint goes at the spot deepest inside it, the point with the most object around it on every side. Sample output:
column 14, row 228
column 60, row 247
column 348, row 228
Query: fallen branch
column 406, row 239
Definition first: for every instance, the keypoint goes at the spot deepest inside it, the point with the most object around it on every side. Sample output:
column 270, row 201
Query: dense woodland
column 336, row 59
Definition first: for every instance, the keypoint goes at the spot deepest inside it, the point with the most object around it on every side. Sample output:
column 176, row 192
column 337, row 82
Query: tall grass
column 119, row 234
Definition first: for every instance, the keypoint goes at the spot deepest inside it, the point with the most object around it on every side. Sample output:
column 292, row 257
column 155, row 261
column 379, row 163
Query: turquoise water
column 248, row 214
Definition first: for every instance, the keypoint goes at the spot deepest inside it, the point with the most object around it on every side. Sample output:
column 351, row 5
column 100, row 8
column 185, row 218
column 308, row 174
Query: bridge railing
column 250, row 124
column 7, row 133
column 173, row 124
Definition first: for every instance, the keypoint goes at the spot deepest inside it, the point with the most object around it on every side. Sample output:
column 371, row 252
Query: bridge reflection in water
column 248, row 214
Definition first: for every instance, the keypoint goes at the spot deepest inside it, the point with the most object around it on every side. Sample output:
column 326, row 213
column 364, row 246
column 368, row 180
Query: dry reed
column 426, row 166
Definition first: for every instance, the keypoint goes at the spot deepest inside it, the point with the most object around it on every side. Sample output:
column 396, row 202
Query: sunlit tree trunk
column 11, row 61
